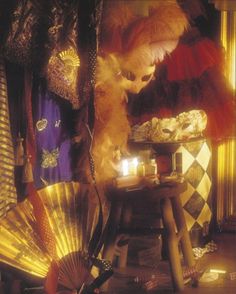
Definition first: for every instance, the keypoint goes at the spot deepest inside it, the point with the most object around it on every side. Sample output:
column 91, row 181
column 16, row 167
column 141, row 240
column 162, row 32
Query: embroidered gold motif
column 62, row 75
column 49, row 159
column 41, row 124
column 70, row 57
column 57, row 123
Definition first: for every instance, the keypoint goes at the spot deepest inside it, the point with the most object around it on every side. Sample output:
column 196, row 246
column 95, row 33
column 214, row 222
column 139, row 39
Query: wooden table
column 174, row 225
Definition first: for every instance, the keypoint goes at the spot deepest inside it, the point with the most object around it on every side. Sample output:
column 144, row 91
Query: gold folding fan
column 70, row 212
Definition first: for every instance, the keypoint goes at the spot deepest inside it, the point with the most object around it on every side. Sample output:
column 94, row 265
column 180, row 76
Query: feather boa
column 111, row 124
column 133, row 42
column 124, row 29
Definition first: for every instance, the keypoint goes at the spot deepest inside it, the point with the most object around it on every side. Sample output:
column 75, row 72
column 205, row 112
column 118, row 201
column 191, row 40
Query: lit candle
column 125, row 167
column 218, row 271
column 129, row 171
column 129, row 166
column 134, row 166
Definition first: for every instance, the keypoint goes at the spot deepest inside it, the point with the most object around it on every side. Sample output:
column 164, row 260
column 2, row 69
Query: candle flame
column 125, row 167
column 129, row 166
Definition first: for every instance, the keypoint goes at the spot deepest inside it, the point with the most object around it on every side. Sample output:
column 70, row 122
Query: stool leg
column 181, row 226
column 122, row 261
column 172, row 241
column 111, row 235
column 125, row 223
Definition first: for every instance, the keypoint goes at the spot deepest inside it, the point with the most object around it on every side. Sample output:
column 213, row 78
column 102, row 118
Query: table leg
column 181, row 226
column 172, row 241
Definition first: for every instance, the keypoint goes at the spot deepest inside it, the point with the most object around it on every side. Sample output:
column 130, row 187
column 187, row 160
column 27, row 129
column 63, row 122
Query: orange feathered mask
column 135, row 37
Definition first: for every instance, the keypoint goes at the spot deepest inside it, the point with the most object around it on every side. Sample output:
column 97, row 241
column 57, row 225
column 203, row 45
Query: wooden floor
column 125, row 281
column 131, row 280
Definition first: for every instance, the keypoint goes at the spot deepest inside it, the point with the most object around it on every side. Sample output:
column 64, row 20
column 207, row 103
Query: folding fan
column 70, row 210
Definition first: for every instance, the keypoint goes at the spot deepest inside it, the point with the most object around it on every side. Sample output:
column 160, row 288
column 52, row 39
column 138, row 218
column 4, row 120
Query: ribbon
column 42, row 220
column 30, row 140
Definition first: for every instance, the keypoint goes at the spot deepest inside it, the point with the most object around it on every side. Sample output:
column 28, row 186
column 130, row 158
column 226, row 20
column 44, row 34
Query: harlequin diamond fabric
column 196, row 168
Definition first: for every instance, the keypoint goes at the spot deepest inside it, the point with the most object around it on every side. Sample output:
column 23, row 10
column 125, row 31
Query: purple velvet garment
column 52, row 134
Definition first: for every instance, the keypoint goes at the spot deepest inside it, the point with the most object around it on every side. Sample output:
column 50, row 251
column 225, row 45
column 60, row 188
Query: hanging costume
column 53, row 141
column 54, row 233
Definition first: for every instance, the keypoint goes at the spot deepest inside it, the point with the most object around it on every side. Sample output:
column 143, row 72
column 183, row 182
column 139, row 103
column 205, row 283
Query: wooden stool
column 174, row 225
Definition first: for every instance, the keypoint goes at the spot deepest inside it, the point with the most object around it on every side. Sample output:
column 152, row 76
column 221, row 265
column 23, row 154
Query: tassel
column 19, row 151
column 27, row 176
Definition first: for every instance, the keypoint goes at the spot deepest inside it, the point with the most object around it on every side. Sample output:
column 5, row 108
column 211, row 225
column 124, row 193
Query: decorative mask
column 140, row 41
column 164, row 129
column 131, row 44
column 191, row 124
column 134, row 80
column 185, row 126
column 136, row 69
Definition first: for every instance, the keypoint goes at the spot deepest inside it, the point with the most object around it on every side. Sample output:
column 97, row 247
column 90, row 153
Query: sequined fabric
column 62, row 75
column 20, row 41
column 64, row 63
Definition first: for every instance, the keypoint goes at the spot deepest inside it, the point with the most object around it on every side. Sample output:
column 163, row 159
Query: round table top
column 150, row 193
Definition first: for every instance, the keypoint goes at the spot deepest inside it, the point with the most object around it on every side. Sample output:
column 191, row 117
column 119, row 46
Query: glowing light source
column 218, row 271
column 228, row 39
column 226, row 152
column 135, row 165
column 129, row 166
column 125, row 167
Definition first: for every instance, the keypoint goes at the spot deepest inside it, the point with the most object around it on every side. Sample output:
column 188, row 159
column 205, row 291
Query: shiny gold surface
column 70, row 57
column 62, row 75
column 7, row 153
column 71, row 214
column 20, row 245
column 41, row 124
column 226, row 184
column 228, row 39
column 7, row 188
column 226, row 152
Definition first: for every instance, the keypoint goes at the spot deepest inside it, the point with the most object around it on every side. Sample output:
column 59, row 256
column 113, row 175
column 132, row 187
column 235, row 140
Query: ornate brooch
column 49, row 159
column 41, row 124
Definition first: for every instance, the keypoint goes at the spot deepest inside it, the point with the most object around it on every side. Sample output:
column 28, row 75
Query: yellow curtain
column 226, row 152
